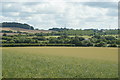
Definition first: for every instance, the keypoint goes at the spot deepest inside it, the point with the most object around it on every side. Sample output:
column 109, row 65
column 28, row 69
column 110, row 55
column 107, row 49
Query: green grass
column 59, row 62
column 51, row 36
column 69, row 36
column 85, row 36
column 112, row 35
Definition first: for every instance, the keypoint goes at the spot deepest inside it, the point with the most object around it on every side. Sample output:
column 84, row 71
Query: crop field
column 59, row 62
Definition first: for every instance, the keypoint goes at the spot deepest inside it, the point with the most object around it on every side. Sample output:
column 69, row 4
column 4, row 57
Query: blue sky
column 77, row 15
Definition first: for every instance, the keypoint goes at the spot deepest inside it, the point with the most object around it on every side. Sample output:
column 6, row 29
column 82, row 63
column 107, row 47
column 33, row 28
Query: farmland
column 16, row 30
column 58, row 52
column 60, row 62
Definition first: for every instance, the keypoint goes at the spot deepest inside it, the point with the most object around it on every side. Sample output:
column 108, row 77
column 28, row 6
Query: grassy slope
column 53, row 62
column 24, row 30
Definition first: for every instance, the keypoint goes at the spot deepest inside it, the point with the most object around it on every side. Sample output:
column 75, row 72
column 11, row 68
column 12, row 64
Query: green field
column 59, row 62
column 69, row 36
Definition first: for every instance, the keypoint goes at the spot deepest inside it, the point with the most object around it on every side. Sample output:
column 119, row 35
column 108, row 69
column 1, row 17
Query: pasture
column 59, row 62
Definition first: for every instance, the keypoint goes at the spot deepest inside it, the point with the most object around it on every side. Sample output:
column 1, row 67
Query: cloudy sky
column 45, row 15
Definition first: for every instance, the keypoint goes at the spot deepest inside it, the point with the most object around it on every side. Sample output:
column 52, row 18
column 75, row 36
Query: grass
column 60, row 62
column 69, row 36
column 85, row 36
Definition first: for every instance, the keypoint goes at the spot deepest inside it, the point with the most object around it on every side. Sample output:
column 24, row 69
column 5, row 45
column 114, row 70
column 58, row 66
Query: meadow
column 59, row 62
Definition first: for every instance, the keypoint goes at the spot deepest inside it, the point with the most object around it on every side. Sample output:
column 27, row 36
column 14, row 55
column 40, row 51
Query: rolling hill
column 19, row 27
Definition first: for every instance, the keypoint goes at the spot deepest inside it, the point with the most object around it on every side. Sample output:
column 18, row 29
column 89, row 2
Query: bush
column 4, row 34
column 101, row 44
column 112, row 45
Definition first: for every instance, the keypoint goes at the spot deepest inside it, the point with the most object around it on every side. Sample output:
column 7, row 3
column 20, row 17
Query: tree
column 97, row 36
column 81, row 38
column 11, row 41
column 63, row 37
column 110, row 38
column 39, row 38
column 112, row 45
column 84, row 43
column 101, row 44
column 52, row 40
column 75, row 40
column 4, row 34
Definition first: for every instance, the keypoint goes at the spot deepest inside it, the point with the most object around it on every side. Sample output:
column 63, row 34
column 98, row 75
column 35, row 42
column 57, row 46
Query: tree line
column 63, row 40
column 70, row 32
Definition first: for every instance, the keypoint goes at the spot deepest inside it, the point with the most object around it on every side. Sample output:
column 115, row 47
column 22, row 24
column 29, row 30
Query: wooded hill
column 17, row 25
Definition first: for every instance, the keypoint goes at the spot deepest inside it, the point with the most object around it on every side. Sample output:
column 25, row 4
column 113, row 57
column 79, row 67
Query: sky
column 46, row 14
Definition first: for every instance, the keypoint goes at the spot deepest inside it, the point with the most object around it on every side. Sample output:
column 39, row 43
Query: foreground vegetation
column 60, row 62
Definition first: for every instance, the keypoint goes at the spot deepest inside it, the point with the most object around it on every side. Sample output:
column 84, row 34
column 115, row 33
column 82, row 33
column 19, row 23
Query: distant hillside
column 17, row 25
column 15, row 31
column 13, row 28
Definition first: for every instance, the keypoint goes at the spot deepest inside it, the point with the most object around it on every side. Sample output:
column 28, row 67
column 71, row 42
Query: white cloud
column 60, row 0
column 61, row 14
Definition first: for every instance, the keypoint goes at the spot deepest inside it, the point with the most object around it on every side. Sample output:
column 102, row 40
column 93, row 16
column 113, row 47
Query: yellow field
column 60, row 62
column 110, row 54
